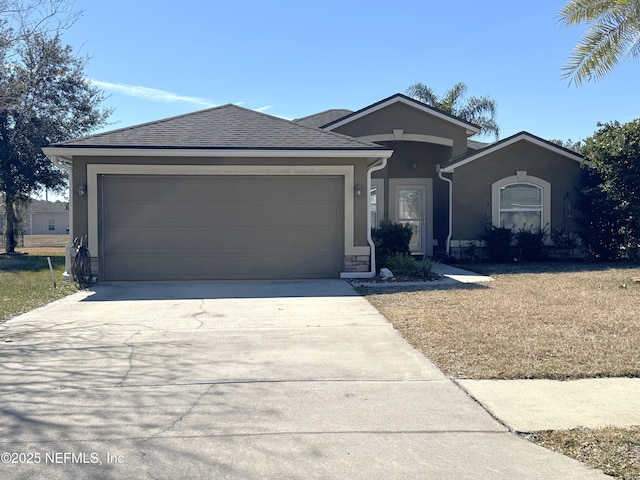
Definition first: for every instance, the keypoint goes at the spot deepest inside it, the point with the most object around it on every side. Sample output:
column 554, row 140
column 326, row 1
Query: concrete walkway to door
column 239, row 380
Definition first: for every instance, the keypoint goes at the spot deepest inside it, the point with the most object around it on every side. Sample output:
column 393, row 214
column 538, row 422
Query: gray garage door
column 220, row 227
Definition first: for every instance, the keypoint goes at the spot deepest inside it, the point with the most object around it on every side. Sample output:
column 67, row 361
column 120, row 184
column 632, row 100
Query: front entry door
column 411, row 206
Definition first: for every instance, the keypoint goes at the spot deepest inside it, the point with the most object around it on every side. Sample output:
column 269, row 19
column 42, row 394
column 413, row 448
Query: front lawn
column 555, row 321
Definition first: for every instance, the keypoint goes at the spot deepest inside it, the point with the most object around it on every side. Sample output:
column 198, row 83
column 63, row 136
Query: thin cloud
column 152, row 94
column 264, row 109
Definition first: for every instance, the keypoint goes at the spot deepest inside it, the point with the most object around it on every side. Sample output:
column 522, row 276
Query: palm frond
column 476, row 107
column 614, row 34
column 488, row 126
column 602, row 47
column 579, row 11
column 453, row 96
column 423, row 93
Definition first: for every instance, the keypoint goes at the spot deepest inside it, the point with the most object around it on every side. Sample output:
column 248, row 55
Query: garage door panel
column 175, row 188
column 178, row 227
column 136, row 241
column 182, row 214
column 219, row 267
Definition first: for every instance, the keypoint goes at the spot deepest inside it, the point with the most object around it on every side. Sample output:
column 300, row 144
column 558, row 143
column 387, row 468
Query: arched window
column 521, row 201
column 521, row 206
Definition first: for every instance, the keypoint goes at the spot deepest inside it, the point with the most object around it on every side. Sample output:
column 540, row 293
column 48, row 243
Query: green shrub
column 403, row 264
column 566, row 242
column 390, row 239
column 498, row 240
column 470, row 252
column 426, row 269
column 530, row 242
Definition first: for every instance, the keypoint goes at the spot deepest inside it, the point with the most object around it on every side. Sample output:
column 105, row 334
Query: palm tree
column 614, row 34
column 478, row 110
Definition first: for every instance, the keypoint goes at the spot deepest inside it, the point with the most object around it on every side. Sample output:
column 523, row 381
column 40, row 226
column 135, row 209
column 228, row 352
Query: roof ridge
column 316, row 129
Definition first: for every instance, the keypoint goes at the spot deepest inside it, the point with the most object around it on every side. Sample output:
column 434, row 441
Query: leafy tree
column 614, row 34
column 478, row 110
column 602, row 229
column 44, row 98
column 611, row 190
column 569, row 144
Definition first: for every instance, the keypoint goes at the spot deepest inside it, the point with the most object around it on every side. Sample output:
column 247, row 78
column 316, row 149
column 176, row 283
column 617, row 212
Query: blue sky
column 291, row 58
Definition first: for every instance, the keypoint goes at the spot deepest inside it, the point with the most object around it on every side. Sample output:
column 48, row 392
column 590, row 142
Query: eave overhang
column 67, row 152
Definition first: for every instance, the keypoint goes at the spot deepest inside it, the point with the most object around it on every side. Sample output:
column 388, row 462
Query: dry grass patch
column 555, row 321
column 47, row 245
column 615, row 451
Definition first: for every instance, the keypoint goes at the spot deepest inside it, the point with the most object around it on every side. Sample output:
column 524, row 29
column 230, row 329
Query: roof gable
column 225, row 127
column 470, row 128
column 505, row 142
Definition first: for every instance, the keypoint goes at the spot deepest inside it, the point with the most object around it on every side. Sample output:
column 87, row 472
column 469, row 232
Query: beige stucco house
column 39, row 217
column 231, row 193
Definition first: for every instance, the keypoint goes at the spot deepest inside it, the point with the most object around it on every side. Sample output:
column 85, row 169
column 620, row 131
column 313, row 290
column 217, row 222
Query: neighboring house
column 233, row 193
column 41, row 218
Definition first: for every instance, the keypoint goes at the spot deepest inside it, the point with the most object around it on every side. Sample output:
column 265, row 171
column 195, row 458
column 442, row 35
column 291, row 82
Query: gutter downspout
column 373, row 168
column 379, row 164
column 450, row 182
column 68, row 167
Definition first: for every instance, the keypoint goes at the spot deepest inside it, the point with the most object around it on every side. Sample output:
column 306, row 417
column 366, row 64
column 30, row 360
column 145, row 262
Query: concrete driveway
column 240, row 380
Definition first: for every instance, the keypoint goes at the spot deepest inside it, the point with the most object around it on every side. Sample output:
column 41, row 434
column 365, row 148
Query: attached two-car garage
column 160, row 227
column 223, row 193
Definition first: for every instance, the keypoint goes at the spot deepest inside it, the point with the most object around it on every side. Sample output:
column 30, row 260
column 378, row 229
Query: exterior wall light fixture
column 82, row 190
column 358, row 190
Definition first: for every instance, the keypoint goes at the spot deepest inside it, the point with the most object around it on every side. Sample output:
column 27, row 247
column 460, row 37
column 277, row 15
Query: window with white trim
column 52, row 224
column 521, row 206
column 376, row 202
column 521, row 201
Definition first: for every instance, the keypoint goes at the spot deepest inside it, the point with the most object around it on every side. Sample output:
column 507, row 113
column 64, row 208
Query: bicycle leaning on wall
column 81, row 268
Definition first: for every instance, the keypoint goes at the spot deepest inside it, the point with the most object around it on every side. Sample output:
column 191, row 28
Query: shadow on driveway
column 212, row 289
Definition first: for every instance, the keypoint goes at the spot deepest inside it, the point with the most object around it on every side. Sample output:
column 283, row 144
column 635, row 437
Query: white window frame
column 380, row 214
column 521, row 177
column 52, row 223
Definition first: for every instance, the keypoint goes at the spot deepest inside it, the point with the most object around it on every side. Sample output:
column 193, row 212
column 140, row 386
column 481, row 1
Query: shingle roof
column 224, row 127
column 476, row 145
column 40, row 206
column 322, row 118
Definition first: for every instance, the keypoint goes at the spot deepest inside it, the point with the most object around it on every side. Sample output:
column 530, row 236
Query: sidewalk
column 459, row 275
column 530, row 405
